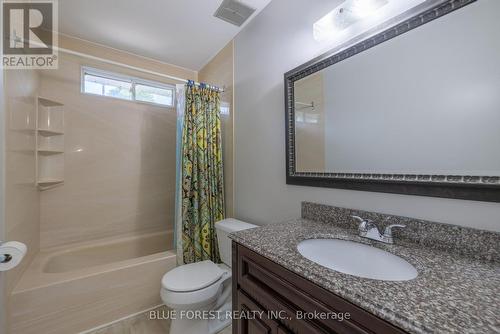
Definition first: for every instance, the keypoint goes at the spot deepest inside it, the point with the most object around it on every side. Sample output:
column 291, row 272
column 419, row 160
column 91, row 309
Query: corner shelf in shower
column 49, row 143
column 49, row 133
column 49, row 152
column 47, row 184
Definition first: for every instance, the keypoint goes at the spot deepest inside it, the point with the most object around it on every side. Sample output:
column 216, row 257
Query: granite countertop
column 453, row 293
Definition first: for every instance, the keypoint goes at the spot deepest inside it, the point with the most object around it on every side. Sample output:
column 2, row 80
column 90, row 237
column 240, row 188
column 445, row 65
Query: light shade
column 346, row 14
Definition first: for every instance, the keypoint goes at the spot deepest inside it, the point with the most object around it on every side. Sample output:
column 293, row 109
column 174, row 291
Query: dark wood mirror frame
column 479, row 188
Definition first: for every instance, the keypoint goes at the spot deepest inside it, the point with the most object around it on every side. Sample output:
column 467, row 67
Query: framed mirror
column 414, row 109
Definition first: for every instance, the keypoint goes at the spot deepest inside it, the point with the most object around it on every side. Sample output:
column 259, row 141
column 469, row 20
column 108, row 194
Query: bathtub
column 75, row 288
column 104, row 253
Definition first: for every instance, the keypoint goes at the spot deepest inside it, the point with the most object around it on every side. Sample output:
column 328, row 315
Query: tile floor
column 141, row 324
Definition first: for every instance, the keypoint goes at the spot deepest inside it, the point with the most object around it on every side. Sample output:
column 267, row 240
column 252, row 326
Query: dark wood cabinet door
column 256, row 320
column 283, row 330
column 255, row 326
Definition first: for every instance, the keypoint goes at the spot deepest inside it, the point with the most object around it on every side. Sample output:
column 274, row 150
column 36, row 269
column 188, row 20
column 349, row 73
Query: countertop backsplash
column 479, row 244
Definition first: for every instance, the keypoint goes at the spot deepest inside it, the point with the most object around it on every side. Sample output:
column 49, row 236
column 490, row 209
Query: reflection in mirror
column 310, row 123
column 424, row 102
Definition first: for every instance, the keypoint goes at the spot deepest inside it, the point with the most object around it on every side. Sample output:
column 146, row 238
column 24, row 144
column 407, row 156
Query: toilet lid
column 191, row 277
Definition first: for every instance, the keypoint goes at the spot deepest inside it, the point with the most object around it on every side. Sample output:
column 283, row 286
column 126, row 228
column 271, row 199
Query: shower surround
column 119, row 163
column 103, row 238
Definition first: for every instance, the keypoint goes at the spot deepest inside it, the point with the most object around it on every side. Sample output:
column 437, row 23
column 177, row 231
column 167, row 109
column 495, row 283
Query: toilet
column 200, row 293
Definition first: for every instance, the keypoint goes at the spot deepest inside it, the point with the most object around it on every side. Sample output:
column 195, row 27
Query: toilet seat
column 192, row 277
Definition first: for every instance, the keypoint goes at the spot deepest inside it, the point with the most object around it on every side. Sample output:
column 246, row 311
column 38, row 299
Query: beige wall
column 22, row 198
column 102, row 51
column 119, row 173
column 219, row 72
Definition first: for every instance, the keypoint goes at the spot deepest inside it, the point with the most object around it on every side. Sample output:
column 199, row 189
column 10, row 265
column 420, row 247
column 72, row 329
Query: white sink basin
column 357, row 259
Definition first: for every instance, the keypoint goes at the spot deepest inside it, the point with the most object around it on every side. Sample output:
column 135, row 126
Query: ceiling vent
column 234, row 12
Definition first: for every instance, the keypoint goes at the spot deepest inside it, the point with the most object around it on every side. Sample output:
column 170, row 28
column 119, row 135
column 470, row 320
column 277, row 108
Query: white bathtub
column 72, row 289
column 102, row 253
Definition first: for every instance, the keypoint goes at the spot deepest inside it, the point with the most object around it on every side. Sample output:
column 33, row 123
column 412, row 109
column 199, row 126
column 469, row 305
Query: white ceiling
column 179, row 32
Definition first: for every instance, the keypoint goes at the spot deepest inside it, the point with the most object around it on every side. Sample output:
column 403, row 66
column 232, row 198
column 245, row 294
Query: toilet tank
column 224, row 227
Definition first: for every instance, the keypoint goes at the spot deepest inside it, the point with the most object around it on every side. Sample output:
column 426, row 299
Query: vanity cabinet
column 269, row 299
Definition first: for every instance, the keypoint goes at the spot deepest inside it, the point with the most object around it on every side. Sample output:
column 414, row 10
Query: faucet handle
column 388, row 229
column 361, row 220
column 363, row 223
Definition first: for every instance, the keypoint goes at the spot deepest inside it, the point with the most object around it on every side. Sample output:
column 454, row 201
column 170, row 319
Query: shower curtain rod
column 135, row 68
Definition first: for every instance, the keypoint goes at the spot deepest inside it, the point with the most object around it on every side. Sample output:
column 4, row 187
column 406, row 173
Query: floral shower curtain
column 202, row 185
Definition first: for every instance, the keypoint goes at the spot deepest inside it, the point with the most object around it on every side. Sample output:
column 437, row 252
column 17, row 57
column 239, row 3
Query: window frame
column 86, row 70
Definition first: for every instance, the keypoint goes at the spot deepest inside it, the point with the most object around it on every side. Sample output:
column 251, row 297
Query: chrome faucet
column 368, row 229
